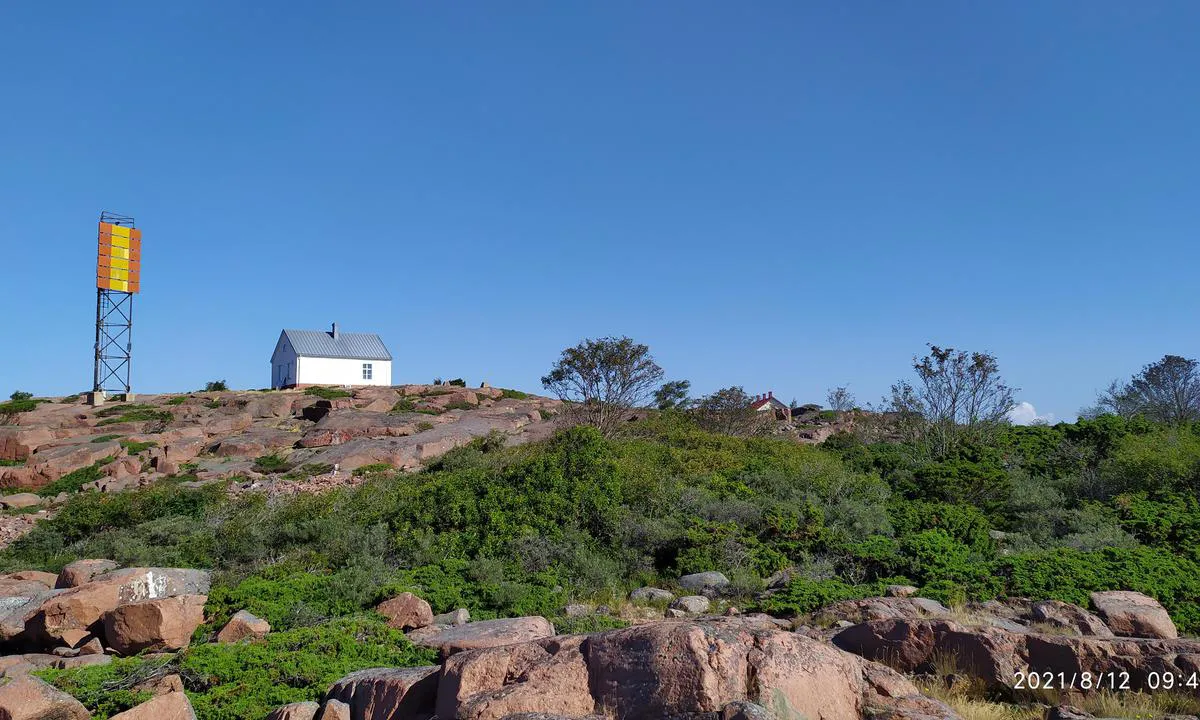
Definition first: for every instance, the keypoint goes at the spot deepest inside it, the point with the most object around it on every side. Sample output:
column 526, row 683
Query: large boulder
column 165, row 624
column 83, row 607
column 706, row 583
column 651, row 595
column 338, row 710
column 406, row 612
column 1065, row 616
column 692, row 604
column 53, row 461
column 20, row 500
column 241, row 626
column 172, row 706
column 879, row 608
column 18, row 443
column 656, row 670
column 387, row 693
column 295, row 711
column 1132, row 614
column 483, row 634
column 82, row 571
column 26, row 697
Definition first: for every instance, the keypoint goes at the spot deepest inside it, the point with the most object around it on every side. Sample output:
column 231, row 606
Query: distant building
column 318, row 357
column 768, row 403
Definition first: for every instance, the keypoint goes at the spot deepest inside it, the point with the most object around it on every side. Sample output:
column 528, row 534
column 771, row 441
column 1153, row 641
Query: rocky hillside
column 256, row 435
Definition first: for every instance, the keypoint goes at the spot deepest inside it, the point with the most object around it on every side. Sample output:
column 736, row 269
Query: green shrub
column 71, row 399
column 216, row 386
column 506, row 393
column 460, row 405
column 74, row 481
column 327, row 393
column 271, row 463
column 586, row 624
column 20, row 396
column 11, row 463
column 372, row 468
column 177, row 400
column 246, row 681
column 802, row 596
column 133, row 447
column 458, row 382
column 424, row 425
column 133, row 413
column 108, row 689
column 403, row 405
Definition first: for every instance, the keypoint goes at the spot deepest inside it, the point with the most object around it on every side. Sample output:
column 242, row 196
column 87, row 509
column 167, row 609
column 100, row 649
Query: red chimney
column 771, row 394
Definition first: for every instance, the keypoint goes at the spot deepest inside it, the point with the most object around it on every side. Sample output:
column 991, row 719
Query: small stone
column 651, row 595
column 692, row 604
column 455, row 618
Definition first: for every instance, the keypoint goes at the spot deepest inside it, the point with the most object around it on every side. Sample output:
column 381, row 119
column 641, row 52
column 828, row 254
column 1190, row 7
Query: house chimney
column 771, row 394
column 335, row 334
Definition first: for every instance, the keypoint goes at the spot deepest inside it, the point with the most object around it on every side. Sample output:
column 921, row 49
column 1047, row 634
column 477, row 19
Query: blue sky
column 779, row 195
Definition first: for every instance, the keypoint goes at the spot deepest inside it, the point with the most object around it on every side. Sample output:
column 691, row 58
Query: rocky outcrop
column 656, row 670
column 385, row 693
column 26, row 697
column 406, row 612
column 81, row 572
column 164, row 624
column 243, row 626
column 482, row 634
column 705, row 583
column 1066, row 616
column 171, row 706
column 1132, row 614
column 295, row 711
column 884, row 608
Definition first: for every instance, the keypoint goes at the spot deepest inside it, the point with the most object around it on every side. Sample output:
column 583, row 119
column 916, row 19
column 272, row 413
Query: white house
column 318, row 357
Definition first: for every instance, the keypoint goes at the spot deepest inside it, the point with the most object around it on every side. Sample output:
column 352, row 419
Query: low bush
column 372, row 468
column 216, row 386
column 132, row 413
column 269, row 464
column 74, row 481
column 134, row 447
column 177, row 400
column 248, row 680
column 327, row 393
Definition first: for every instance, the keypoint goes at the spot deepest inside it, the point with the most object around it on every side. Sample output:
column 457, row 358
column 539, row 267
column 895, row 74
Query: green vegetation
column 505, row 393
column 18, row 402
column 177, row 400
column 327, row 393
column 461, row 405
column 458, row 382
column 424, row 425
column 216, row 386
column 134, row 447
column 272, row 463
column 403, row 405
column 11, row 463
column 365, row 470
column 72, row 482
column 71, row 399
column 248, row 680
column 134, row 412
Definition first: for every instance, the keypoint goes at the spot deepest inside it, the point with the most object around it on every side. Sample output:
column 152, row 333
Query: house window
column 366, row 371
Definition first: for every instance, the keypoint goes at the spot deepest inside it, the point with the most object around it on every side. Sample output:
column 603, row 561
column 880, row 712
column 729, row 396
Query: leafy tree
column 604, row 379
column 1165, row 391
column 958, row 395
column 728, row 412
column 19, row 395
column 215, row 386
column 840, row 399
column 673, row 395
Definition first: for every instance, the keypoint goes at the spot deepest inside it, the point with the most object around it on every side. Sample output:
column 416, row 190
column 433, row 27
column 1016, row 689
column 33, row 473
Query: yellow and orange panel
column 119, row 259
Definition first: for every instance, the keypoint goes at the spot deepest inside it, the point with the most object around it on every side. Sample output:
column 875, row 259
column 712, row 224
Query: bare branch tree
column 728, row 412
column 841, row 399
column 957, row 395
column 1166, row 391
column 603, row 380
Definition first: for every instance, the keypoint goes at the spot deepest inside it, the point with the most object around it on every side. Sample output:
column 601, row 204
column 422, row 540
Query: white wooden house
column 318, row 357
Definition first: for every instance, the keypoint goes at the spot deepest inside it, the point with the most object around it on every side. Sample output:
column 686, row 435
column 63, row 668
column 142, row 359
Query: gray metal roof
column 320, row 343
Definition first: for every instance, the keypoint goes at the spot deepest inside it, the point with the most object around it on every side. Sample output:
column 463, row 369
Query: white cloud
column 1026, row 414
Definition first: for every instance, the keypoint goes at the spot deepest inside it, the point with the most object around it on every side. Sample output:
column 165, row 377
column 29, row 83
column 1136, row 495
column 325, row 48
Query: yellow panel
column 120, row 232
column 120, row 241
column 118, row 285
column 118, row 263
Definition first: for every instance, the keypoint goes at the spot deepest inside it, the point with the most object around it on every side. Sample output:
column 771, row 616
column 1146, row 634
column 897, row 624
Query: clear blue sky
column 779, row 195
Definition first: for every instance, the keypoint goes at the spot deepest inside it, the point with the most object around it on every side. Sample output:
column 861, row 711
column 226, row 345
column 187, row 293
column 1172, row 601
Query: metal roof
column 320, row 343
